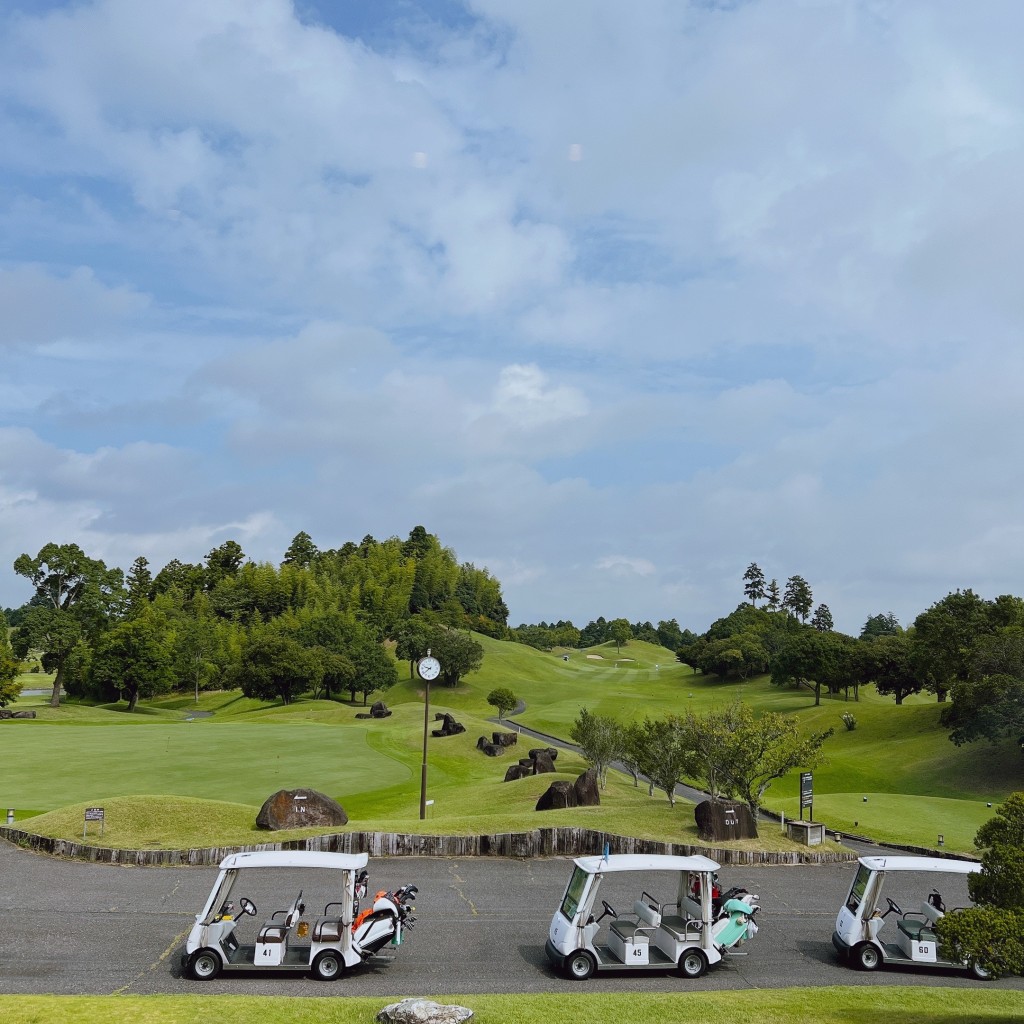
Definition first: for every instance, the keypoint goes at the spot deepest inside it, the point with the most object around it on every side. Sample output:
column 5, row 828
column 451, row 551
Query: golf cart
column 688, row 933
column 914, row 944
column 341, row 938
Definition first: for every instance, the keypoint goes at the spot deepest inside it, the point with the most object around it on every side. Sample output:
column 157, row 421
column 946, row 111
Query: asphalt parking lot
column 68, row 927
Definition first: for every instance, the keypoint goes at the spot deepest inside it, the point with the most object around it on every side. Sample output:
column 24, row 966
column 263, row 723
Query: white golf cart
column 688, row 933
column 340, row 938
column 914, row 944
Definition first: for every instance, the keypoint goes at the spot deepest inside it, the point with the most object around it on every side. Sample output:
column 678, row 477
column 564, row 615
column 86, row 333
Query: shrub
column 849, row 721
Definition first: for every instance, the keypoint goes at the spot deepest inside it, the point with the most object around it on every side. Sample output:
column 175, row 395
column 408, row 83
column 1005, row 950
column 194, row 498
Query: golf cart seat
column 277, row 931
column 327, row 929
column 647, row 920
column 919, row 926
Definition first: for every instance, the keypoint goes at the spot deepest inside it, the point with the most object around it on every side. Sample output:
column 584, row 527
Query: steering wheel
column 894, row 907
column 609, row 910
column 247, row 906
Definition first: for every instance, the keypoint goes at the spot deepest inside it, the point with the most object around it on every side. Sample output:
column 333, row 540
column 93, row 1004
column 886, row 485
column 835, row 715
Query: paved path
column 73, row 927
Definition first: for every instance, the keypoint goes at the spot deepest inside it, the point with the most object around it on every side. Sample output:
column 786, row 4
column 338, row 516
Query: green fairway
column 239, row 751
column 848, row 1005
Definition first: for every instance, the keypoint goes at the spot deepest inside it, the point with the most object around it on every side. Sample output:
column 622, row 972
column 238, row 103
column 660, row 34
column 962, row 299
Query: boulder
column 542, row 763
column 558, row 794
column 719, row 820
column 492, row 749
column 586, row 789
column 449, row 727
column 23, row 714
column 527, row 762
column 552, row 752
column 4, row 713
column 517, row 771
column 300, row 808
column 423, row 1011
column 505, row 739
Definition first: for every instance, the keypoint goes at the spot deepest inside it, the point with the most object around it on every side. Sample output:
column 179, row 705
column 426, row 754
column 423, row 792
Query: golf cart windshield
column 860, row 884
column 571, row 902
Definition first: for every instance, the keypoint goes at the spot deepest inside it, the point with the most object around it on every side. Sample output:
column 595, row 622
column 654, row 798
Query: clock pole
column 429, row 668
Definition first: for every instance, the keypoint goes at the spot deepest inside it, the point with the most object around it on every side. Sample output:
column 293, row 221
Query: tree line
column 729, row 752
column 315, row 623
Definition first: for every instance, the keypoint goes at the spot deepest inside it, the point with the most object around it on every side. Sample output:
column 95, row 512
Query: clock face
column 429, row 668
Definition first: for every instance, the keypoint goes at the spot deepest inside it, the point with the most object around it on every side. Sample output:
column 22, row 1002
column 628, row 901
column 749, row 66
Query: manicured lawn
column 918, row 784
column 864, row 1005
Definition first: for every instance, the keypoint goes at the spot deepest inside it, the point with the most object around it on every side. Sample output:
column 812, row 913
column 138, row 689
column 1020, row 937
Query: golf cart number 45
column 341, row 938
column 695, row 929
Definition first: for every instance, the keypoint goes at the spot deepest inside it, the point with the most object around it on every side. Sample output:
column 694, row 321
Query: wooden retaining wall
column 541, row 842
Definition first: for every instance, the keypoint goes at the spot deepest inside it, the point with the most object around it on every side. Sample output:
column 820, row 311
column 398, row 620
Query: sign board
column 806, row 792
column 94, row 814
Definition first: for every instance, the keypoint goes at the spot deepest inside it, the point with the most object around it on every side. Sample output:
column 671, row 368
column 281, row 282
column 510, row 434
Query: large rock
column 558, row 794
column 23, row 714
column 552, row 752
column 5, row 713
column 719, row 820
column 378, row 709
column 449, row 727
column 300, row 808
column 423, row 1011
column 517, row 771
column 505, row 739
column 586, row 789
column 542, row 762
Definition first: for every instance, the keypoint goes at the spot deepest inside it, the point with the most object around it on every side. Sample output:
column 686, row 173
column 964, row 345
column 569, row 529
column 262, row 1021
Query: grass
column 837, row 1005
column 917, row 783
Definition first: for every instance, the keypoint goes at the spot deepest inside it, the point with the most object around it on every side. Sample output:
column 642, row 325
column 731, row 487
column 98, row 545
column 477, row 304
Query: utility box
column 810, row 833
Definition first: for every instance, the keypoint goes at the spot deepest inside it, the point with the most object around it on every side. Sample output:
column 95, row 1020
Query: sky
column 615, row 299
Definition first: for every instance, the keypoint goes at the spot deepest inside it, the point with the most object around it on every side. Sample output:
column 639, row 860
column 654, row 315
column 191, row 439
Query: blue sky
column 615, row 299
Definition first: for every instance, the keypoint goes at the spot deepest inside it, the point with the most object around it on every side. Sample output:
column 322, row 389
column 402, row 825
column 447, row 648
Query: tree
column 822, row 618
column 412, row 641
column 990, row 708
column 668, row 757
column 75, row 596
column 887, row 662
column 139, row 585
column 457, row 651
column 302, row 551
column 759, row 750
column 815, row 660
column 600, row 741
column 880, row 625
column 706, row 737
column 132, row 659
column 9, row 667
column 797, row 598
column 503, row 699
column 991, row 934
column 374, row 667
column 671, row 636
column 619, row 630
column 753, row 584
column 945, row 638
column 223, row 561
column 774, row 598
column 274, row 665
column 334, row 671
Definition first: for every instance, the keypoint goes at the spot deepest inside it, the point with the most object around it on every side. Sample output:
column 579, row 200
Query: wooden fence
column 541, row 842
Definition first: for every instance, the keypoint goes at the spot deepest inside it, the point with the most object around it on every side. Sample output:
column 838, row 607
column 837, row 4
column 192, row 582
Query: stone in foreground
column 300, row 808
column 719, row 820
column 423, row 1011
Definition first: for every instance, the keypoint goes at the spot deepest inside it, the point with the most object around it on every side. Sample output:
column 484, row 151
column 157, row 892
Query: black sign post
column 807, row 795
column 93, row 814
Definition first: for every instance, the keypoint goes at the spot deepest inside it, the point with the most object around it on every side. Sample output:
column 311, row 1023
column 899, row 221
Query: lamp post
column 428, row 668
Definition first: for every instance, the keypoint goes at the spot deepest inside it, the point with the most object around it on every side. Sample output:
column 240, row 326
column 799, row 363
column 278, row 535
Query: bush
column 849, row 721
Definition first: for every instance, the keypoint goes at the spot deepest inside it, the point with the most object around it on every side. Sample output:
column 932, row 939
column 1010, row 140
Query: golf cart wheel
column 328, row 965
column 867, row 957
column 203, row 965
column 693, row 963
column 979, row 973
column 580, row 965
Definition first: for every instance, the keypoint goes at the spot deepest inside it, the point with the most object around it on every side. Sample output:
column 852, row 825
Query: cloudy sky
column 615, row 298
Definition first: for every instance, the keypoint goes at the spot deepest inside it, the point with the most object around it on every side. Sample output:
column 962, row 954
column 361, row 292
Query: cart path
column 70, row 927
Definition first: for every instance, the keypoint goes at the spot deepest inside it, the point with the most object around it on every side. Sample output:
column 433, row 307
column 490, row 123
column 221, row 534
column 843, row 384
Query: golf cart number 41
column 339, row 939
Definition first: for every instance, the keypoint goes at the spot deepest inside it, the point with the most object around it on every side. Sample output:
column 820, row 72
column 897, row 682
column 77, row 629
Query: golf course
column 177, row 772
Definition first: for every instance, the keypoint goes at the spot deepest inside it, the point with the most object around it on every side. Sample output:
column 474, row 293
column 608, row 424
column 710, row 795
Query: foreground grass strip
column 864, row 1005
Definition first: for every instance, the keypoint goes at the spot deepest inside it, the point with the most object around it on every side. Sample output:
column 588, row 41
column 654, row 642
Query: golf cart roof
column 644, row 862
column 939, row 864
column 294, row 859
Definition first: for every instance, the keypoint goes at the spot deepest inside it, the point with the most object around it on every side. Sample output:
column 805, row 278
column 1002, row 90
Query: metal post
column 426, row 727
